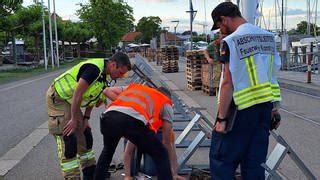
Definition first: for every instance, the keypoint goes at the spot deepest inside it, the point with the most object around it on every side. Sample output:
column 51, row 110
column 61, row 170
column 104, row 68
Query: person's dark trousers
column 246, row 144
column 113, row 126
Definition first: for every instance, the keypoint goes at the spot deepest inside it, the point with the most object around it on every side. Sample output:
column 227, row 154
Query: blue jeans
column 246, row 144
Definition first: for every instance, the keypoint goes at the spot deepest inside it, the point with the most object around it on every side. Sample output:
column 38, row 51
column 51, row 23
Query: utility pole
column 275, row 13
column 50, row 33
column 192, row 16
column 249, row 9
column 205, row 20
column 44, row 38
column 56, row 32
column 308, row 17
column 165, row 34
column 175, row 31
column 282, row 15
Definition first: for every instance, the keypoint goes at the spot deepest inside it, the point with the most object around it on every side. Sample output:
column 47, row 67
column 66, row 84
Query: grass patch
column 19, row 73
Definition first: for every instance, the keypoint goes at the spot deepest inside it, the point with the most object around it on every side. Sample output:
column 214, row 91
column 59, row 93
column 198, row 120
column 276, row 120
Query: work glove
column 275, row 120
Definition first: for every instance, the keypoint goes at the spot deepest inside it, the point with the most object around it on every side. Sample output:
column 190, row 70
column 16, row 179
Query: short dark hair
column 224, row 9
column 164, row 91
column 121, row 59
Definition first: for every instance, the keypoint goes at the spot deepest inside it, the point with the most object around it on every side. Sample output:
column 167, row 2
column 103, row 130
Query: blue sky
column 169, row 10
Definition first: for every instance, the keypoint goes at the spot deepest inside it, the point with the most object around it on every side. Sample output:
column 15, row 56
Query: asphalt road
column 22, row 110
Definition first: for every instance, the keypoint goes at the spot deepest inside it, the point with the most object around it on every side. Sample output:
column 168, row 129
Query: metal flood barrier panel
column 203, row 128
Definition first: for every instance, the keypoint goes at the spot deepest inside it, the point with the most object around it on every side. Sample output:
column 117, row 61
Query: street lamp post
column 44, row 38
column 50, row 34
column 175, row 31
column 56, row 32
column 165, row 35
column 192, row 16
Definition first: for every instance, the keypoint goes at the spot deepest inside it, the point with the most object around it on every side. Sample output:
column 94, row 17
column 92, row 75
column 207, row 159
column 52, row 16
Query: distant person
column 80, row 87
column 211, row 53
column 136, row 113
column 249, row 79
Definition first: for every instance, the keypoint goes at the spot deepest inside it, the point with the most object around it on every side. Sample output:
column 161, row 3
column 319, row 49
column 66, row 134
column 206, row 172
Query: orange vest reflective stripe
column 145, row 100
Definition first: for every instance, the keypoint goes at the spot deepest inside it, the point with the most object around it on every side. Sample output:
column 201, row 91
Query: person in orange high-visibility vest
column 136, row 113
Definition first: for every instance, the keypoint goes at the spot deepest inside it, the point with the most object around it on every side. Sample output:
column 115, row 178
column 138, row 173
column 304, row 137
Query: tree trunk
column 78, row 49
column 63, row 49
column 37, row 43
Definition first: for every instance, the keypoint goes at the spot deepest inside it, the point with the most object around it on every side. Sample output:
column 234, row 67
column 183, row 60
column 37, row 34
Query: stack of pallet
column 170, row 59
column 159, row 57
column 210, row 78
column 151, row 53
column 195, row 59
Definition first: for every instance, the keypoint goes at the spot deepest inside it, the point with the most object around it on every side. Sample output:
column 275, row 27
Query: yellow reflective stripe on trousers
column 69, row 165
column 251, row 69
column 86, row 156
column 59, row 146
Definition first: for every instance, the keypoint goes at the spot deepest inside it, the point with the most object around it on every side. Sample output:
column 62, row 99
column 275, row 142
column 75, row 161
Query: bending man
column 80, row 86
column 136, row 114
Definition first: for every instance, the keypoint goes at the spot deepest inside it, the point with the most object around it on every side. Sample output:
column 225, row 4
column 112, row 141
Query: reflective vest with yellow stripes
column 146, row 101
column 254, row 63
column 66, row 83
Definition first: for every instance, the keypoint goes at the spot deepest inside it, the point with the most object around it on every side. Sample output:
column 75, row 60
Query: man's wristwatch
column 221, row 119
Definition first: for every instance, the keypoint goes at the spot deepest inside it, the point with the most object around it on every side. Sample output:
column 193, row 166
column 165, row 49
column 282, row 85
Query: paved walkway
column 298, row 81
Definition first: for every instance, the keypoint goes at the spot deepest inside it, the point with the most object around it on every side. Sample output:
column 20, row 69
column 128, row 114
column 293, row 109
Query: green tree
column 302, row 27
column 8, row 7
column 7, row 21
column 108, row 20
column 149, row 27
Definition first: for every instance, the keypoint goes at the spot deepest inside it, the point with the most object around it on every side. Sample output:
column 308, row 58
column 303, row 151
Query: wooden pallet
column 193, row 88
column 193, row 79
column 193, row 70
column 211, row 91
column 194, row 66
column 194, row 83
column 193, row 74
column 195, row 61
column 170, row 70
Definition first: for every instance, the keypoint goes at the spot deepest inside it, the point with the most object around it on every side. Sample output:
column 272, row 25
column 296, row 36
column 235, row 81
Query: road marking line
column 27, row 82
column 298, row 92
column 9, row 160
column 299, row 116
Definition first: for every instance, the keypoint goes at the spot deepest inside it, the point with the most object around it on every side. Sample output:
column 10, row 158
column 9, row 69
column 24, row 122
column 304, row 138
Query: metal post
column 191, row 21
column 275, row 13
column 175, row 31
column 56, row 31
column 295, row 55
column 50, row 33
column 249, row 8
column 44, row 39
column 175, row 36
column 192, row 16
column 308, row 17
column 14, row 48
column 309, row 62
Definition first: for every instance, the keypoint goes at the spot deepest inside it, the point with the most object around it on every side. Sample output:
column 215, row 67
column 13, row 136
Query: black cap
column 224, row 9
